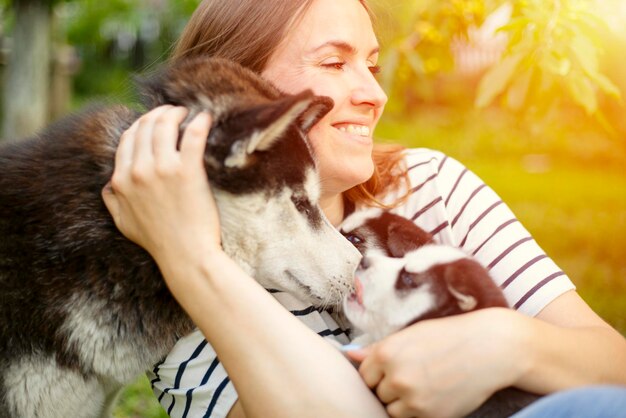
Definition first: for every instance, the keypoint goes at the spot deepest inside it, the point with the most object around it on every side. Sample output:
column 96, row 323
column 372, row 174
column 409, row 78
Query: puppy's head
column 430, row 282
column 376, row 231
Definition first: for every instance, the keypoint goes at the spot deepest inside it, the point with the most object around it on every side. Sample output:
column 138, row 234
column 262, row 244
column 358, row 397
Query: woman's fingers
column 386, row 393
column 143, row 155
column 165, row 134
column 155, row 187
column 398, row 409
column 195, row 138
column 151, row 140
column 111, row 201
column 371, row 371
column 124, row 152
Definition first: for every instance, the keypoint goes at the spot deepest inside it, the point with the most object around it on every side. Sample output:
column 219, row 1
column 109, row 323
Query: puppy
column 405, row 277
column 376, row 231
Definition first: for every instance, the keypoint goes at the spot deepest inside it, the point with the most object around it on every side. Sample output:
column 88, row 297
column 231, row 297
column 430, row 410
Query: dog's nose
column 365, row 263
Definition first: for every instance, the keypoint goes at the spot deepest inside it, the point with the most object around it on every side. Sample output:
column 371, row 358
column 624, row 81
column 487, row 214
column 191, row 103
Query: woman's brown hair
column 248, row 32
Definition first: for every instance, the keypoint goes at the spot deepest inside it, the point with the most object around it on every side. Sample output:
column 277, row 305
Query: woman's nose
column 369, row 91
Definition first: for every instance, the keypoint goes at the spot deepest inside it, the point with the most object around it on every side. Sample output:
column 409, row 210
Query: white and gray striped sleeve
column 191, row 381
column 456, row 206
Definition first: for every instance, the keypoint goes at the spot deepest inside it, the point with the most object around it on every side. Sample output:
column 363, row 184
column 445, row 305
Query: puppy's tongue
column 358, row 289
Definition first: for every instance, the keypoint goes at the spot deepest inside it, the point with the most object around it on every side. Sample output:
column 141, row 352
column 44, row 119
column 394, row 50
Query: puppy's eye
column 406, row 280
column 354, row 239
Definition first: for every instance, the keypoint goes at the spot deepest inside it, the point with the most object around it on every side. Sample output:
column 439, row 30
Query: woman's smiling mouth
column 354, row 129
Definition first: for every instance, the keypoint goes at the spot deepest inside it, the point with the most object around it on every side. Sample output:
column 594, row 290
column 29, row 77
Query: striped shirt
column 445, row 199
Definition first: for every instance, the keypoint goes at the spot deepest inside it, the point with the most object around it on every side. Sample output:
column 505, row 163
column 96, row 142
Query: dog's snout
column 365, row 263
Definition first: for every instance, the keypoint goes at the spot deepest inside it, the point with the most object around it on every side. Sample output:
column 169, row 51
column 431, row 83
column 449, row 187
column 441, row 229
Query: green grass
column 138, row 401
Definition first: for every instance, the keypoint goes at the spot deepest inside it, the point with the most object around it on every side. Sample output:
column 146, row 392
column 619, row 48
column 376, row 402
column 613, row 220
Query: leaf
column 515, row 25
column 583, row 93
column 496, row 79
column 516, row 96
column 606, row 85
column 601, row 118
column 415, row 62
column 585, row 52
column 390, row 68
column 556, row 63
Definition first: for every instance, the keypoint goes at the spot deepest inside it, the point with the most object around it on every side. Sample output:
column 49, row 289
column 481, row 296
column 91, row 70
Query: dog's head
column 405, row 277
column 377, row 231
column 431, row 282
column 263, row 175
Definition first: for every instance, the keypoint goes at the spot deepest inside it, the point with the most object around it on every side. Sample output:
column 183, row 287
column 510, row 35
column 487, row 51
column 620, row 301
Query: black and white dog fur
column 84, row 310
column 405, row 277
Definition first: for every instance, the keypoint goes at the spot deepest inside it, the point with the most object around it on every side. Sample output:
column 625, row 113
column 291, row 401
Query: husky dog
column 376, row 231
column 84, row 310
column 405, row 277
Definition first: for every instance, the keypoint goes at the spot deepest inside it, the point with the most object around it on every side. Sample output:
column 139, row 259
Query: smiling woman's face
column 333, row 51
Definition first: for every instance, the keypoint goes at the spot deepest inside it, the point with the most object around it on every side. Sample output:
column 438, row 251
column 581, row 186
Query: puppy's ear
column 405, row 236
column 268, row 122
column 461, row 284
column 469, row 282
column 465, row 302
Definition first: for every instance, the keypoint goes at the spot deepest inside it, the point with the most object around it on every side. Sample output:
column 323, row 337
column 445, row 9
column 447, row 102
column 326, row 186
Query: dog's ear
column 404, row 236
column 473, row 288
column 460, row 284
column 317, row 109
column 465, row 302
column 151, row 88
column 270, row 121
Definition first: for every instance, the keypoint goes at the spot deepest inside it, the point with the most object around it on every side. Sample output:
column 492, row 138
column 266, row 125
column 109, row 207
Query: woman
column 160, row 199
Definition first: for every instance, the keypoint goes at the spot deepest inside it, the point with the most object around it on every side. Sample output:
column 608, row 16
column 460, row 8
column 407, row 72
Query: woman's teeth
column 360, row 130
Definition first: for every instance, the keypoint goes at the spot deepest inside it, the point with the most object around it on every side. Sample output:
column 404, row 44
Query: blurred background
column 529, row 94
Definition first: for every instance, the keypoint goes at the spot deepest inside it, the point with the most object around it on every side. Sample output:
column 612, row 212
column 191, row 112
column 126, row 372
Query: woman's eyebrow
column 343, row 47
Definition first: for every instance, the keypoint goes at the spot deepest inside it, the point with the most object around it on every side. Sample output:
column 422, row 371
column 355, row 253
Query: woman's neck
column 333, row 208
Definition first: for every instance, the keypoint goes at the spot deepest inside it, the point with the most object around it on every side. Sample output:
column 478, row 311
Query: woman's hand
column 444, row 367
column 159, row 196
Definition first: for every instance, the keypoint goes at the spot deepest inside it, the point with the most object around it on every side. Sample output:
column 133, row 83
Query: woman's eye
column 375, row 69
column 334, row 65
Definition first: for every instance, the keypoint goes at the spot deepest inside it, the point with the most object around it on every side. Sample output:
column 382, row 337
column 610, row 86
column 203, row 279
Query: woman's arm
column 159, row 198
column 571, row 346
column 447, row 367
column 279, row 367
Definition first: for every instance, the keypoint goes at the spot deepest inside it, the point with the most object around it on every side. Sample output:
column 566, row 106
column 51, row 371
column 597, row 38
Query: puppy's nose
column 365, row 263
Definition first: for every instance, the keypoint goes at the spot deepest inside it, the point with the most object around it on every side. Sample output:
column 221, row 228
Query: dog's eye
column 354, row 239
column 406, row 280
column 302, row 205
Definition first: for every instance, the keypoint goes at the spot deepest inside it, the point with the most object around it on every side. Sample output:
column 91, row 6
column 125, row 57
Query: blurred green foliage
column 550, row 59
column 553, row 48
column 114, row 38
column 417, row 36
